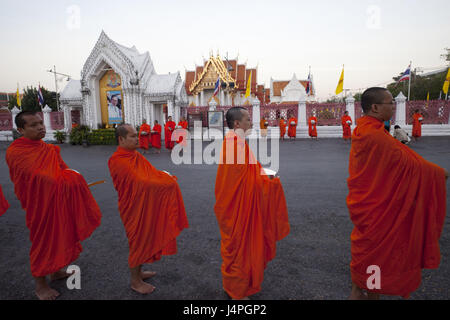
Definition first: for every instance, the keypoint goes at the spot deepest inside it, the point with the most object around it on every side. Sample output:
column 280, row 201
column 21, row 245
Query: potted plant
column 60, row 136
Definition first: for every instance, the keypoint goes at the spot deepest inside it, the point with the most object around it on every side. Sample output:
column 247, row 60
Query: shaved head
column 122, row 131
column 234, row 114
column 20, row 118
column 372, row 96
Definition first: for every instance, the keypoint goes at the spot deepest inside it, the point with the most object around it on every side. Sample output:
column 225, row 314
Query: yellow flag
column 428, row 98
column 340, row 86
column 249, row 86
column 447, row 82
column 19, row 103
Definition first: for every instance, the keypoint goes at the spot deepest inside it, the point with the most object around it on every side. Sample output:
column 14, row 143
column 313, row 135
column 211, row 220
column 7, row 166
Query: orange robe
column 263, row 124
column 292, row 131
column 184, row 125
column 282, row 128
column 168, row 130
column 4, row 205
column 144, row 140
column 312, row 127
column 156, row 137
column 150, row 204
column 252, row 215
column 417, row 125
column 397, row 202
column 60, row 209
column 347, row 129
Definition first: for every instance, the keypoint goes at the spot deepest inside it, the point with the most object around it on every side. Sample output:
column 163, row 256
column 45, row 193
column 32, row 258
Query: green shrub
column 102, row 137
column 79, row 134
column 60, row 136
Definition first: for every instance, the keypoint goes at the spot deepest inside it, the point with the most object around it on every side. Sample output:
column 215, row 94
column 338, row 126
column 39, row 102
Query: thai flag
column 308, row 86
column 406, row 75
column 40, row 97
column 217, row 89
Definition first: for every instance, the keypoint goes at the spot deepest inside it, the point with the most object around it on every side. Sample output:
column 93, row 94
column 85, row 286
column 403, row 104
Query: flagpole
column 410, row 76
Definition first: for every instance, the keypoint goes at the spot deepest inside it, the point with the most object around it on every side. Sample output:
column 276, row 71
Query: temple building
column 290, row 91
column 119, row 84
column 200, row 85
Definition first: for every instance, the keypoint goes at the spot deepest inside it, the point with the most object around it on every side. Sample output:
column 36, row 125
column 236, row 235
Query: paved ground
column 312, row 262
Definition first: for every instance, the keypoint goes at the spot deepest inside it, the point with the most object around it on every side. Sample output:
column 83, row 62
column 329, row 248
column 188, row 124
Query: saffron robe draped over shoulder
column 347, row 128
column 282, row 128
column 156, row 137
column 252, row 214
column 144, row 139
column 397, row 202
column 312, row 127
column 150, row 204
column 184, row 125
column 169, row 128
column 4, row 205
column 417, row 125
column 292, row 131
column 60, row 209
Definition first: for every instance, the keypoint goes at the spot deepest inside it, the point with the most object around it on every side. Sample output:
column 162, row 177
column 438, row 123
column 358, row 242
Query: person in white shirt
column 401, row 135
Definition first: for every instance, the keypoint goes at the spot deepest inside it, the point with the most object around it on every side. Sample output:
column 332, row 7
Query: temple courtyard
column 312, row 263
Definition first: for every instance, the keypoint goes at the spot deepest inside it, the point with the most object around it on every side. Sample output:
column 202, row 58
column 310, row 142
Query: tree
column 335, row 99
column 420, row 86
column 30, row 100
column 446, row 55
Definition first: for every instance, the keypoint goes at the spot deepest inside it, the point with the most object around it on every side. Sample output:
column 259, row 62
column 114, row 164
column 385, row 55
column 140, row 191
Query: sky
column 375, row 40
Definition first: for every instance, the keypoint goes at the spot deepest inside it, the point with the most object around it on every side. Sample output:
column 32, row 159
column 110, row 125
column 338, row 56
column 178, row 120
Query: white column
column 302, row 121
column 67, row 118
column 148, row 114
column 202, row 98
column 350, row 105
column 170, row 109
column 222, row 98
column 400, row 114
column 197, row 101
column 14, row 111
column 256, row 117
column 47, row 122
column 177, row 114
column 152, row 114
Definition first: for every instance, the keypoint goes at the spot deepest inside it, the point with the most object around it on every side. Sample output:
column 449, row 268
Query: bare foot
column 61, row 274
column 44, row 292
column 142, row 287
column 147, row 274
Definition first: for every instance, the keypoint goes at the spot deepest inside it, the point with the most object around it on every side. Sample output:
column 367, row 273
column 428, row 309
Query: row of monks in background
column 151, row 137
column 290, row 127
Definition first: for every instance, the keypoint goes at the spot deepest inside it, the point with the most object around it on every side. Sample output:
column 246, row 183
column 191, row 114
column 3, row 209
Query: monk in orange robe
column 264, row 124
column 292, row 131
column 144, row 136
column 282, row 128
column 250, row 209
column 347, row 122
column 60, row 209
column 4, row 205
column 417, row 125
column 312, row 127
column 169, row 128
column 397, row 202
column 183, row 124
column 150, row 204
column 156, row 136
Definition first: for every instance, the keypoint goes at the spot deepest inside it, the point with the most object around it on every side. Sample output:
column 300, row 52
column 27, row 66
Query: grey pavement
column 311, row 263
